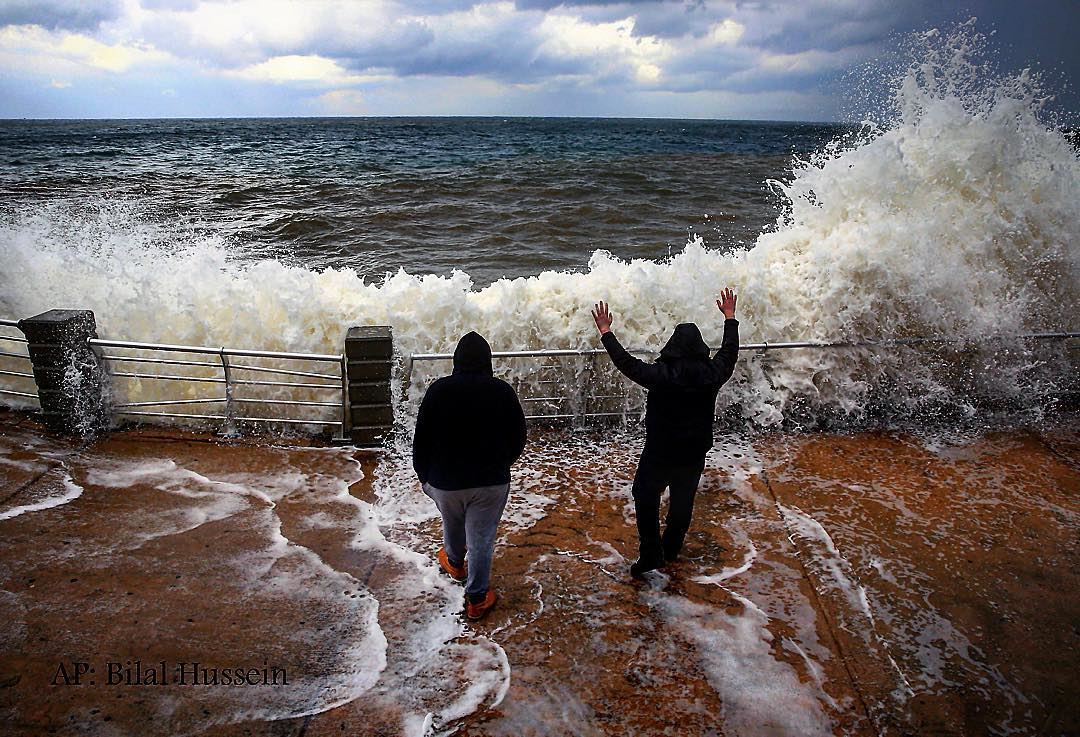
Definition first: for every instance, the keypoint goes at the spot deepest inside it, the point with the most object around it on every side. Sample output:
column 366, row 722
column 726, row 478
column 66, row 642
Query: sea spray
column 956, row 217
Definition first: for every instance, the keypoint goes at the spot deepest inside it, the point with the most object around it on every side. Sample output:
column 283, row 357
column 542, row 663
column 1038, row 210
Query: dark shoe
column 670, row 556
column 641, row 567
column 475, row 611
column 458, row 573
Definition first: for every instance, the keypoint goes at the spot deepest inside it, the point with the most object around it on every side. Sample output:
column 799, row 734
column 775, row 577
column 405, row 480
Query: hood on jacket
column 473, row 355
column 685, row 342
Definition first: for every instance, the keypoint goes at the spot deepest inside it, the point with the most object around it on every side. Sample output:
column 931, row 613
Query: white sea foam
column 836, row 567
column 724, row 575
column 760, row 694
column 29, row 466
column 919, row 228
column 58, row 494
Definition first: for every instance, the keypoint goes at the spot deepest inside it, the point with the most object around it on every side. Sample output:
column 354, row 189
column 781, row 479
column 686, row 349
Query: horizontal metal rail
column 765, row 346
column 18, row 394
column 12, row 338
column 585, row 414
column 274, row 420
column 9, row 323
column 519, row 354
column 287, row 372
column 167, row 377
column 165, row 402
column 232, row 366
column 293, row 402
column 211, row 379
column 295, row 384
column 587, row 398
column 16, row 373
column 98, row 343
column 890, row 342
column 171, row 362
column 9, row 354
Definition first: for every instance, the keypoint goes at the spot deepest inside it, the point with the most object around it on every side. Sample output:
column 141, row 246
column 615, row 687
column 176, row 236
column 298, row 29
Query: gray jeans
column 469, row 521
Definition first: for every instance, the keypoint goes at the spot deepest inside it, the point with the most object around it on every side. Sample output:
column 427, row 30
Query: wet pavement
column 848, row 584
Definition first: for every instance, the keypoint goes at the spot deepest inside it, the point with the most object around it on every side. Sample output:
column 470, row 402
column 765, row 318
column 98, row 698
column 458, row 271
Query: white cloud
column 647, row 73
column 246, row 26
column 727, row 32
column 59, row 84
column 605, row 47
column 242, row 33
column 40, row 51
column 808, row 62
column 293, row 68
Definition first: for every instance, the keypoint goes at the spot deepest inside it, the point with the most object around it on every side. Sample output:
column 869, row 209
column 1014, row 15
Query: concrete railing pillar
column 68, row 374
column 369, row 355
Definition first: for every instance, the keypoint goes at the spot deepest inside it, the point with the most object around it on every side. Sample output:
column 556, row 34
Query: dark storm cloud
column 396, row 47
column 675, row 21
column 71, row 15
column 399, row 47
column 659, row 18
column 782, row 27
column 514, row 58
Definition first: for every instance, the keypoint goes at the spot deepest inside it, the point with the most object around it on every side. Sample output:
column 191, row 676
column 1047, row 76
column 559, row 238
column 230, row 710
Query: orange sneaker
column 480, row 608
column 458, row 573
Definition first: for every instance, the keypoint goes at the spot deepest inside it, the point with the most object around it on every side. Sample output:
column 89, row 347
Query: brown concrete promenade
column 854, row 584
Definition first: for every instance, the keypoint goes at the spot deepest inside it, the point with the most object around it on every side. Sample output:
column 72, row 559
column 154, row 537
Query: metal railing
column 759, row 347
column 229, row 381
column 226, row 369
column 12, row 354
column 766, row 346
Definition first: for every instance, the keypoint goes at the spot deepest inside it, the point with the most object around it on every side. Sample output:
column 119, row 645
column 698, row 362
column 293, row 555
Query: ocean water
column 495, row 197
column 953, row 214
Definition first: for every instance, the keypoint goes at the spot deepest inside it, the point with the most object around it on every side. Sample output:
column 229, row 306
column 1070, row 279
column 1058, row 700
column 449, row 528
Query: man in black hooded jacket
column 469, row 430
column 682, row 387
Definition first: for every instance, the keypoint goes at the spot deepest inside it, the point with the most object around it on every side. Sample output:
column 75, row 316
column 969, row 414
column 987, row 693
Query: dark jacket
column 682, row 385
column 470, row 428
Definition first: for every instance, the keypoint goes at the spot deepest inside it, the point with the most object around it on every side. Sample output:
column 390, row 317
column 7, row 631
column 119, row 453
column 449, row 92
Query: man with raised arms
column 682, row 386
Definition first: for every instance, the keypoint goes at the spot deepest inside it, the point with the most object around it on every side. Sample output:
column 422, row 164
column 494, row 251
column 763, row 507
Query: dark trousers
column 654, row 474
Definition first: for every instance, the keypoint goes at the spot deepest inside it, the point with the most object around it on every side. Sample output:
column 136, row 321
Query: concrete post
column 369, row 354
column 67, row 371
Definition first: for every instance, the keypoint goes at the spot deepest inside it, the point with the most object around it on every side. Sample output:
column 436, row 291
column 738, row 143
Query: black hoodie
column 470, row 428
column 682, row 384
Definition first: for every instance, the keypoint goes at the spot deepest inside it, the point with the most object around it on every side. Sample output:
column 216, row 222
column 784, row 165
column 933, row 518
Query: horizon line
column 431, row 117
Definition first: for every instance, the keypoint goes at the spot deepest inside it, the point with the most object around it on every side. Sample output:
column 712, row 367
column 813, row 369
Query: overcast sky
column 758, row 59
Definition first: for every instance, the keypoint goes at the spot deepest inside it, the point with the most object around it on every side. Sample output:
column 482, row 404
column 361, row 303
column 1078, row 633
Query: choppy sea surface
column 491, row 196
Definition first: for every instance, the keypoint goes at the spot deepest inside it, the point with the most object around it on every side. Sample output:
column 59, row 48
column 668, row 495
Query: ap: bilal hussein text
column 164, row 673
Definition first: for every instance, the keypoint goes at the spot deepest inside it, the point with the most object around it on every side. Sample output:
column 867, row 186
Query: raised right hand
column 602, row 317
